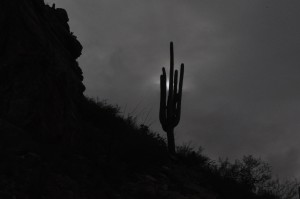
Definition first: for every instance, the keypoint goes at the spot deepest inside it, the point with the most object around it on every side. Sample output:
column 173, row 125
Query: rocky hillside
column 40, row 81
column 57, row 144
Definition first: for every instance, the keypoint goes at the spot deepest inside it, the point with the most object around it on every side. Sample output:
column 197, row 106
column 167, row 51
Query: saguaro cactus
column 170, row 107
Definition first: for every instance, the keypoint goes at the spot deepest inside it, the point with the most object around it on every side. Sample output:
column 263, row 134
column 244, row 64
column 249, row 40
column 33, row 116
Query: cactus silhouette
column 170, row 106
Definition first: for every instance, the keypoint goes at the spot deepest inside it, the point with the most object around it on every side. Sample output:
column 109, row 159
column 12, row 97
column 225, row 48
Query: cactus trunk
column 170, row 106
column 171, row 140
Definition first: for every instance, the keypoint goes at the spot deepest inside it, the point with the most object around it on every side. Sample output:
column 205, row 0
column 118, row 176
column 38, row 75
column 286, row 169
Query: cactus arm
column 163, row 91
column 179, row 96
column 175, row 94
column 181, row 77
column 175, row 83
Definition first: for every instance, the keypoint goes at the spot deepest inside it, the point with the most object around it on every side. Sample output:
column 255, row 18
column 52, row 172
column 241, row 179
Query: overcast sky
column 242, row 77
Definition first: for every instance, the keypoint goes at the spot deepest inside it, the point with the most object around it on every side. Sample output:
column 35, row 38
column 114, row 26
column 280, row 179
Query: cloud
column 241, row 80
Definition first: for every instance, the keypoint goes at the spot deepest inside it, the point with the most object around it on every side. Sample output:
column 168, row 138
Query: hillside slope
column 112, row 158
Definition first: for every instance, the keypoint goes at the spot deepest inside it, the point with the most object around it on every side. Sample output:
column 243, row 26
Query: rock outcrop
column 40, row 81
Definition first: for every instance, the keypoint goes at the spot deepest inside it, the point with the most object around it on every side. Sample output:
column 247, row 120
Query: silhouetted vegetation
column 113, row 157
column 169, row 114
column 246, row 178
column 138, row 149
column 121, row 138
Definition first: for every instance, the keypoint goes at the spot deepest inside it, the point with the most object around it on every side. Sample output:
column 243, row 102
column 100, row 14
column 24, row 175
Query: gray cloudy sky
column 242, row 76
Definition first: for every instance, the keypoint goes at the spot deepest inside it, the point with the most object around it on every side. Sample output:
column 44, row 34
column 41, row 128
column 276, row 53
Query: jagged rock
column 40, row 81
column 13, row 140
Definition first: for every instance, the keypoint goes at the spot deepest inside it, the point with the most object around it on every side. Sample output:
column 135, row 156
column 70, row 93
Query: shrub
column 255, row 176
column 190, row 157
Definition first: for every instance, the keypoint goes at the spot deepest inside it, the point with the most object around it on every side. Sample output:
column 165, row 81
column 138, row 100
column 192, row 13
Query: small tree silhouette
column 169, row 113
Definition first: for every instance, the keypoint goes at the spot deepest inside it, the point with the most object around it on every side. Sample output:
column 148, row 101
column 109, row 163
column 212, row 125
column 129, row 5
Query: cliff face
column 40, row 81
